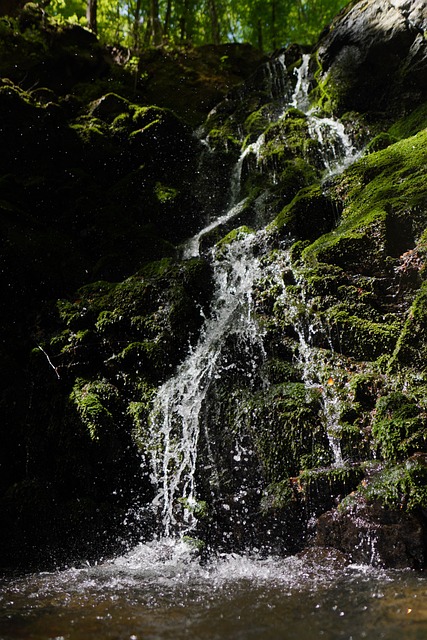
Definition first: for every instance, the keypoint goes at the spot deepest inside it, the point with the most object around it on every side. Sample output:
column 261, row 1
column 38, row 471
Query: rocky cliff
column 308, row 174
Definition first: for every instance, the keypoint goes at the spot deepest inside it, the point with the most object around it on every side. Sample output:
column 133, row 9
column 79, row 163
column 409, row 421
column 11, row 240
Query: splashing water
column 175, row 417
column 336, row 147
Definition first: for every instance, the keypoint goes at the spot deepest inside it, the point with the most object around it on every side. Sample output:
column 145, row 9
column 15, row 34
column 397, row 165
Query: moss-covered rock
column 372, row 57
column 399, row 426
column 310, row 215
column 287, row 431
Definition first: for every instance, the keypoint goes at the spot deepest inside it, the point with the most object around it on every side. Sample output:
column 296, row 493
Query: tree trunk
column 136, row 29
column 155, row 24
column 91, row 15
column 273, row 24
column 167, row 18
column 213, row 12
column 259, row 34
column 183, row 22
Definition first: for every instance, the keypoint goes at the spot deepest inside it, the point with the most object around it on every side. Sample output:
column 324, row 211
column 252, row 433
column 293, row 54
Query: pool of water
column 160, row 591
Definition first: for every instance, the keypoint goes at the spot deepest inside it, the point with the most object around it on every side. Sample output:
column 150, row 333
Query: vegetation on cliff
column 102, row 180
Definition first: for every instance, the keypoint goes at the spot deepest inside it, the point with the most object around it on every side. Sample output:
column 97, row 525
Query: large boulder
column 374, row 56
column 374, row 535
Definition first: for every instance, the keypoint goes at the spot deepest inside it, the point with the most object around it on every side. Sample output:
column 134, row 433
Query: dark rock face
column 375, row 535
column 375, row 56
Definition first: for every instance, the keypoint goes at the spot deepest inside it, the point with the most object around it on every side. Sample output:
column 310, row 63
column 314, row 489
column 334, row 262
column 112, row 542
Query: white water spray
column 175, row 418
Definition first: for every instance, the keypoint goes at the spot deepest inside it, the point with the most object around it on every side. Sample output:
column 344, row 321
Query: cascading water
column 337, row 150
column 157, row 590
column 179, row 406
column 177, row 410
column 316, row 364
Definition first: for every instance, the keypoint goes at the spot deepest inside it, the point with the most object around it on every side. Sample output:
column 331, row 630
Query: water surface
column 160, row 591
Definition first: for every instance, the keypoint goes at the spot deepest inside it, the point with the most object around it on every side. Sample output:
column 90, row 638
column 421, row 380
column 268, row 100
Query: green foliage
column 267, row 25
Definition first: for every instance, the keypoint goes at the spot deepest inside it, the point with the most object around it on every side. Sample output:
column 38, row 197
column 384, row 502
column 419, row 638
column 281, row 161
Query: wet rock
column 374, row 56
column 327, row 557
column 373, row 534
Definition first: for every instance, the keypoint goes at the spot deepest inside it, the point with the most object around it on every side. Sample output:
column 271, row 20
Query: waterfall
column 192, row 247
column 180, row 404
column 337, row 150
column 315, row 365
column 178, row 407
column 300, row 99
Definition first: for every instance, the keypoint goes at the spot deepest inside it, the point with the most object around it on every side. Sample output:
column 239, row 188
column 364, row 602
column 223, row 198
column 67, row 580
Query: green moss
column 325, row 95
column 331, row 482
column 286, row 139
column 403, row 486
column 256, row 123
column 77, row 340
column 122, row 123
column 139, row 327
column 142, row 357
column 198, row 507
column 398, row 427
column 354, row 442
column 352, row 245
column 92, row 131
column 361, row 338
column 164, row 193
column 309, row 214
column 235, row 234
column 146, row 116
column 222, row 139
column 365, row 388
column 94, row 401
column 381, row 141
column 384, row 195
column 139, row 411
column 411, row 347
column 410, row 125
column 109, row 107
column 91, row 296
column 279, row 371
column 287, row 430
column 295, row 175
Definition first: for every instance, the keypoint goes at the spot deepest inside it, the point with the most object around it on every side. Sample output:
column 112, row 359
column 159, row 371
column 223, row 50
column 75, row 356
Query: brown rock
column 372, row 534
